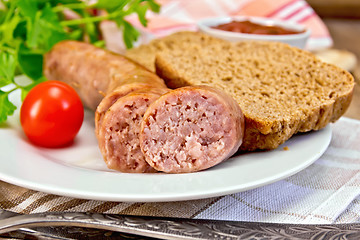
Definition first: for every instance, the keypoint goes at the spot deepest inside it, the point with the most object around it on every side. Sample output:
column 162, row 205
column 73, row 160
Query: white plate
column 78, row 171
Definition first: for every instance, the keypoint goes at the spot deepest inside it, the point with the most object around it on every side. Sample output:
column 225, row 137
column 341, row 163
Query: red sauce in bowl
column 254, row 28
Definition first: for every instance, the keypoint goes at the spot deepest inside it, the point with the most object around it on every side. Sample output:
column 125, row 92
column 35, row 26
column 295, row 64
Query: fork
column 178, row 228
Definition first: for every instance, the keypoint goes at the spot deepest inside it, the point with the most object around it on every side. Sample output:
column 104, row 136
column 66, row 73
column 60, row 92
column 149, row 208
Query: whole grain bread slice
column 145, row 54
column 282, row 90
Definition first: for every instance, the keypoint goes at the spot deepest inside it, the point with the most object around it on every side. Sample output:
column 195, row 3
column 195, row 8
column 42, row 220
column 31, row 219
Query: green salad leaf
column 7, row 74
column 30, row 28
column 7, row 108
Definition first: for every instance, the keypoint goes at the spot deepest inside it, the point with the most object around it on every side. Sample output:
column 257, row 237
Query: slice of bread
column 145, row 54
column 282, row 90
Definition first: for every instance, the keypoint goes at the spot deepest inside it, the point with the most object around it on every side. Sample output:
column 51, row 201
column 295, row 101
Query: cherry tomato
column 51, row 114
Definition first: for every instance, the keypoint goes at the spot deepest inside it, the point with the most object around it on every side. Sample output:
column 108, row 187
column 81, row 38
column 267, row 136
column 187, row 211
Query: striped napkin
column 325, row 192
column 178, row 15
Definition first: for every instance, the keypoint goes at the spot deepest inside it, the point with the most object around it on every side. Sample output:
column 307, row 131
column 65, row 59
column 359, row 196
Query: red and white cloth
column 179, row 15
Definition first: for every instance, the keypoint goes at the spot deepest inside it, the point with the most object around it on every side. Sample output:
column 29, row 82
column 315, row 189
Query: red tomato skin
column 51, row 114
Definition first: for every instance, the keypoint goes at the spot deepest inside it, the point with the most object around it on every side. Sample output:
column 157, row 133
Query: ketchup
column 253, row 28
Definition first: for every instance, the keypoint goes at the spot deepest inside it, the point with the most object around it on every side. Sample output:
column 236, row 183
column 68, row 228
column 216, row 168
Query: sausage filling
column 187, row 132
column 120, row 133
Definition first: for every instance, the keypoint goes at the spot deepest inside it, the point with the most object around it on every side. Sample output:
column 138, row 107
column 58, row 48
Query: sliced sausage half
column 118, row 133
column 190, row 129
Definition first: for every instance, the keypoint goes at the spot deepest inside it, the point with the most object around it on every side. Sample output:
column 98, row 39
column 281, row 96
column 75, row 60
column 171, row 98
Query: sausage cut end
column 190, row 129
column 118, row 133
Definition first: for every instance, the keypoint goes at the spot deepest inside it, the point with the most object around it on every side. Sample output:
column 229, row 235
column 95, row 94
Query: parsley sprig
column 29, row 28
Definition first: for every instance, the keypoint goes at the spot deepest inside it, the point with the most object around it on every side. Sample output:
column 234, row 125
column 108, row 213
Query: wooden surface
column 336, row 8
column 346, row 35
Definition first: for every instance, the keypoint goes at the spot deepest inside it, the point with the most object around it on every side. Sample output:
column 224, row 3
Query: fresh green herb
column 30, row 28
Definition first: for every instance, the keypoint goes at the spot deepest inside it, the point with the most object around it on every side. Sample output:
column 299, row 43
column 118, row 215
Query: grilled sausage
column 109, row 83
column 190, row 129
column 186, row 130
column 93, row 72
column 118, row 133
column 113, row 96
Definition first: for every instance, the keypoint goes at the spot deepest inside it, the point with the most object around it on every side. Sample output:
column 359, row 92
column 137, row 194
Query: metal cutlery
column 178, row 228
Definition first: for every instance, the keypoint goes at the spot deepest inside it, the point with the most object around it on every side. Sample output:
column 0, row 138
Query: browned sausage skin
column 190, row 129
column 94, row 72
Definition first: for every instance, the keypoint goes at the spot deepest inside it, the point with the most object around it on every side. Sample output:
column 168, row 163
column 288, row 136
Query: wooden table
column 346, row 35
column 336, row 8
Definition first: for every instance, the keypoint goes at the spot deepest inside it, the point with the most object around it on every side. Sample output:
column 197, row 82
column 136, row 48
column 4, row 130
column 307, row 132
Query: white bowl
column 297, row 40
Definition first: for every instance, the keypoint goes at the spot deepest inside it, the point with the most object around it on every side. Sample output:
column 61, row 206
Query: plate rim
column 166, row 197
